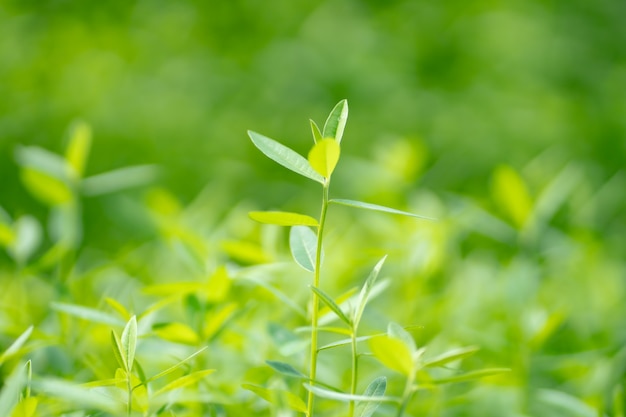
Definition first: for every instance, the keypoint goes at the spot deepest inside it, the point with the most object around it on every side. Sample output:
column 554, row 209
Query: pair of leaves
column 335, row 124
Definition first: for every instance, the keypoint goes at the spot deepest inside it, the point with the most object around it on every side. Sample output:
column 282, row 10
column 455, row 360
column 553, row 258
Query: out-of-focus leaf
column 119, row 179
column 315, row 130
column 377, row 389
column 365, row 292
column 246, row 252
column 87, row 313
column 11, row 389
column 511, row 194
column 393, row 353
column 78, row 147
column 376, row 207
column 451, row 356
column 42, row 160
column 303, row 245
column 16, row 345
column 185, row 381
column 285, row 369
column 119, row 308
column 282, row 218
column 176, row 332
column 77, row 395
column 340, row 396
column 336, row 121
column 331, row 304
column 324, row 156
column 469, row 376
column 284, row 156
column 26, row 407
column 398, row 332
column 28, row 237
column 129, row 342
column 118, row 350
column 46, row 188
column 274, row 396
column 175, row 367
column 218, row 286
column 217, row 320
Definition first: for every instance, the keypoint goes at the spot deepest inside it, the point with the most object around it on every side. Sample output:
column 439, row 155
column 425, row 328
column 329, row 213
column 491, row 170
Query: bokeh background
column 506, row 120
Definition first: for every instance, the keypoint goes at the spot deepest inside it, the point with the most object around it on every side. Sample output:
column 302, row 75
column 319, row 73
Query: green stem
column 315, row 306
column 406, row 396
column 355, row 370
column 130, row 394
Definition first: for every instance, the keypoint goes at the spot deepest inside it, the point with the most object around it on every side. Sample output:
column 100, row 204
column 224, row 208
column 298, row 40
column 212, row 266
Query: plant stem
column 129, row 386
column 315, row 307
column 406, row 396
column 354, row 370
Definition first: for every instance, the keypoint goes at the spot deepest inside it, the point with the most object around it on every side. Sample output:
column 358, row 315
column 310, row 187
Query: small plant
column 396, row 349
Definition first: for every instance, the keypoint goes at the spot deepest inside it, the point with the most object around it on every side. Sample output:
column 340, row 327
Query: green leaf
column 285, row 369
column 119, row 308
column 175, row 367
column 44, row 187
column 16, row 345
column 185, row 381
column 336, row 121
column 345, row 342
column 340, row 396
column 332, row 305
column 398, row 332
column 511, row 194
column 284, row 156
column 317, row 134
column 87, row 313
column 450, row 356
column 282, row 218
column 303, row 245
column 324, row 156
column 376, row 207
column 366, row 290
column 26, row 407
column 119, row 179
column 376, row 388
column 393, row 353
column 129, row 342
column 78, row 147
column 273, row 397
column 176, row 332
column 76, row 395
column 11, row 389
column 482, row 373
column 41, row 160
column 118, row 350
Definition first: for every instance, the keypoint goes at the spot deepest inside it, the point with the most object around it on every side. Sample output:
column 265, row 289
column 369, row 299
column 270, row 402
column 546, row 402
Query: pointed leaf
column 482, row 373
column 118, row 350
column 340, row 396
column 26, row 407
column 78, row 147
column 282, row 218
column 285, row 369
column 396, row 331
column 87, row 313
column 366, row 290
column 119, row 308
column 450, row 356
column 175, row 367
column 332, row 305
column 511, row 194
column 336, row 121
column 185, row 381
column 376, row 207
column 16, row 345
column 284, row 156
column 119, row 179
column 129, row 342
column 176, row 332
column 393, row 353
column 324, row 156
column 46, row 188
column 317, row 134
column 273, row 397
column 303, row 245
column 11, row 389
column 376, row 388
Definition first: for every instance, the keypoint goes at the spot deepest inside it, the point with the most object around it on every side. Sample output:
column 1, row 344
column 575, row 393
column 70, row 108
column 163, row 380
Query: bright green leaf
column 273, row 396
column 16, row 345
column 176, row 332
column 282, row 218
column 77, row 395
column 284, row 156
column 285, row 369
column 375, row 207
column 324, row 156
column 175, row 367
column 376, row 388
column 42, row 160
column 47, row 189
column 119, row 308
column 118, row 350
column 119, row 179
column 450, row 356
column 340, row 396
column 185, row 381
column 78, row 147
column 129, row 342
column 336, row 121
column 217, row 320
column 511, row 194
column 87, row 313
column 11, row 390
column 331, row 304
column 366, row 291
column 398, row 332
column 393, row 353
column 217, row 288
column 303, row 245
column 26, row 407
column 469, row 376
column 7, row 235
column 317, row 134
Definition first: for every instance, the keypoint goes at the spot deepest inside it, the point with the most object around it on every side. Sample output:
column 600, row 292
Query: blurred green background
column 506, row 120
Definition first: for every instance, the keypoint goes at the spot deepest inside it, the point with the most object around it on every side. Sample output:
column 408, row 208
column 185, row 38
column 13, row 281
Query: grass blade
column 284, row 156
column 282, row 218
column 376, row 207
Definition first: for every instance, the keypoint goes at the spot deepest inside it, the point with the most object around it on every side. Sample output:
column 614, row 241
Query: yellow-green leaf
column 218, row 286
column 78, row 147
column 511, row 195
column 177, row 332
column 47, row 189
column 324, row 156
column 7, row 235
column 25, row 408
column 273, row 396
column 184, row 381
column 282, row 218
column 392, row 353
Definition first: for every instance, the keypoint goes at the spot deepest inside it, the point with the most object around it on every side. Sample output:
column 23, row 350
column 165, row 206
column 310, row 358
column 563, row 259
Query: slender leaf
column 46, row 188
column 185, row 381
column 324, row 156
column 285, row 369
column 119, row 179
column 366, row 290
column 345, row 342
column 396, row 331
column 16, row 345
column 450, row 356
column 393, row 353
column 469, row 376
column 284, row 156
column 129, row 343
column 273, row 397
column 336, row 121
column 78, row 147
column 282, row 218
column 42, row 160
column 332, row 305
column 376, row 388
column 76, row 395
column 26, row 407
column 303, row 245
column 119, row 308
column 176, row 332
column 87, row 313
column 376, row 207
column 11, row 389
column 317, row 134
column 340, row 396
column 175, row 367
column 118, row 350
